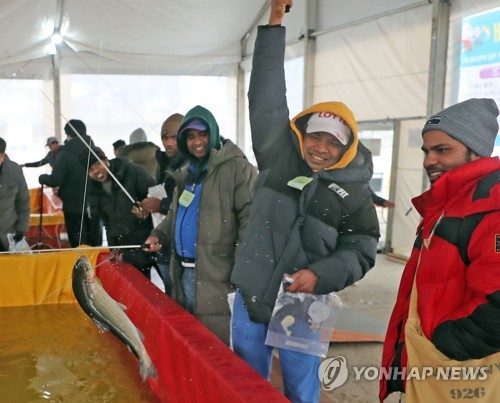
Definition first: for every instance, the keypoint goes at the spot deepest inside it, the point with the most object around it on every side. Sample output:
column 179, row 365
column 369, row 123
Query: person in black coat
column 69, row 175
column 115, row 206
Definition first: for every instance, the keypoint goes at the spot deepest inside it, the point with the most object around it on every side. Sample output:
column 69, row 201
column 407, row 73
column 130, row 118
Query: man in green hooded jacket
column 206, row 220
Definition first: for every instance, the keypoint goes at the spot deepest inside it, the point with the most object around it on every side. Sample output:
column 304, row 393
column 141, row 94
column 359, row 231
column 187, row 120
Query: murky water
column 54, row 353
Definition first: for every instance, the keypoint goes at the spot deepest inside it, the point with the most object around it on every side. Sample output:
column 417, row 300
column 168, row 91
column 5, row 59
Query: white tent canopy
column 125, row 37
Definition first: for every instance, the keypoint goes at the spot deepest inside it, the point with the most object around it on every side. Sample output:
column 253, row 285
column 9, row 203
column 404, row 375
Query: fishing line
column 120, row 97
column 67, row 283
column 84, row 203
column 75, row 249
column 93, row 153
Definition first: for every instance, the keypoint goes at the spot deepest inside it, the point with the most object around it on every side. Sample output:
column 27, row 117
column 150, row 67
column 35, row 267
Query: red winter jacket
column 458, row 278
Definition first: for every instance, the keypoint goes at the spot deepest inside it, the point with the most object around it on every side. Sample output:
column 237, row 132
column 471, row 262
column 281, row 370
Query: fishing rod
column 134, row 202
column 142, row 246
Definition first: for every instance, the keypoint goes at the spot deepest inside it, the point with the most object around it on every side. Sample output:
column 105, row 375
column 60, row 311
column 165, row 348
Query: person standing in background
column 380, row 201
column 143, row 153
column 71, row 179
column 118, row 147
column 170, row 161
column 14, row 200
column 54, row 150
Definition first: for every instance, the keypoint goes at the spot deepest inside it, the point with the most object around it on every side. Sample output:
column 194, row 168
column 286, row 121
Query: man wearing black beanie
column 70, row 177
column 114, row 186
column 447, row 313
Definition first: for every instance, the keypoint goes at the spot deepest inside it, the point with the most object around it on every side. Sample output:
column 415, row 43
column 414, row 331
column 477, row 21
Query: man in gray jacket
column 14, row 200
column 312, row 215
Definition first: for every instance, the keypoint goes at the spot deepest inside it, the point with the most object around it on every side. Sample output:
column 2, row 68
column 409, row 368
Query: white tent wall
column 407, row 183
column 378, row 67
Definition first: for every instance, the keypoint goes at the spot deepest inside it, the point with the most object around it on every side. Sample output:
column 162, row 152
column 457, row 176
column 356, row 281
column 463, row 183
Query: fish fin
column 141, row 336
column 122, row 306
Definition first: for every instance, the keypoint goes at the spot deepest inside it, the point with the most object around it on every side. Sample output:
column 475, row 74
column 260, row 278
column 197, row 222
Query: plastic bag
column 303, row 322
column 21, row 246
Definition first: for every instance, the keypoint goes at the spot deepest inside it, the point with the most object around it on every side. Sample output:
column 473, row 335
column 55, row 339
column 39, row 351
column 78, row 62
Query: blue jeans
column 300, row 371
column 165, row 276
column 189, row 287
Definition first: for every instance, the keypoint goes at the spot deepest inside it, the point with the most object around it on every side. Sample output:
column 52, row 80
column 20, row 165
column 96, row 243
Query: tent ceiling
column 125, row 36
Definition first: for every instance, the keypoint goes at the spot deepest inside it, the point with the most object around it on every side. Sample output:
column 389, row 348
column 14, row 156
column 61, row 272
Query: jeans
column 189, row 287
column 165, row 276
column 300, row 371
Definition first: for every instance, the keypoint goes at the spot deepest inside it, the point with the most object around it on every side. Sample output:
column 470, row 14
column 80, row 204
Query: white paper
column 158, row 192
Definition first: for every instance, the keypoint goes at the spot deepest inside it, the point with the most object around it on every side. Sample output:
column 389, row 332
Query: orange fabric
column 38, row 278
column 51, row 203
column 47, row 219
column 192, row 363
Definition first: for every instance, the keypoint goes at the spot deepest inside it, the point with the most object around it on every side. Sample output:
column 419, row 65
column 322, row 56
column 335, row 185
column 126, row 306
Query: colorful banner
column 480, row 59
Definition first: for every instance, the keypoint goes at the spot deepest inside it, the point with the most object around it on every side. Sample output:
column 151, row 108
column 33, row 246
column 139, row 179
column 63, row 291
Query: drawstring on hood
column 299, row 122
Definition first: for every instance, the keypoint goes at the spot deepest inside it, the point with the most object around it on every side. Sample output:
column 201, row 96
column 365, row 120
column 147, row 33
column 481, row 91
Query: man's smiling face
column 321, row 150
column 443, row 153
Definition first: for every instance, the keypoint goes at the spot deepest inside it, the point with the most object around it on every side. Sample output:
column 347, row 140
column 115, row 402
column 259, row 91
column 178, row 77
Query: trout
column 108, row 314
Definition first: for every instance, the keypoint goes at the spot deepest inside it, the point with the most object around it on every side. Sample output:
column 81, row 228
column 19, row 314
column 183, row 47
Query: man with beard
column 170, row 161
column 447, row 312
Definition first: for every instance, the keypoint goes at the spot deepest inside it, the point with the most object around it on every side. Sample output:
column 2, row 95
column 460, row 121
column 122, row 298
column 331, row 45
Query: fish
column 108, row 314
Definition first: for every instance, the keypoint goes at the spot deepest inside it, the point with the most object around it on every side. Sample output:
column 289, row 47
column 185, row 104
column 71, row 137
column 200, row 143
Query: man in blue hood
column 206, row 220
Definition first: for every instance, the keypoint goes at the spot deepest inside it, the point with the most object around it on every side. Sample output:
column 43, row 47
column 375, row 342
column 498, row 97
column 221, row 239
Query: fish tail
column 148, row 371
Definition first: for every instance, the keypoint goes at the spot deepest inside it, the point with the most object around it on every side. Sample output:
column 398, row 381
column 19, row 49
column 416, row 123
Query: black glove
column 18, row 236
column 42, row 179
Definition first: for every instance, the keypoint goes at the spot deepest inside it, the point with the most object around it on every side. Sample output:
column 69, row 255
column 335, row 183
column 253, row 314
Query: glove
column 42, row 179
column 18, row 236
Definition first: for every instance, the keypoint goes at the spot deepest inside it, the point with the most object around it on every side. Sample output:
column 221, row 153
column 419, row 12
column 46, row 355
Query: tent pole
column 437, row 66
column 310, row 24
column 56, row 79
column 439, row 50
column 56, row 73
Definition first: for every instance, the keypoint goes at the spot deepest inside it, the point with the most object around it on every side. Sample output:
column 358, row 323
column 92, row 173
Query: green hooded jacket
column 224, row 212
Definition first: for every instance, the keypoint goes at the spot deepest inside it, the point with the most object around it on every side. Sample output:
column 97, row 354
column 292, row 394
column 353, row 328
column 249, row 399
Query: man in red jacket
column 448, row 305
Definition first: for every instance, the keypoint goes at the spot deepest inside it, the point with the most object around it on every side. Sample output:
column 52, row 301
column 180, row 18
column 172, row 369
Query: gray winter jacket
column 14, row 201
column 330, row 227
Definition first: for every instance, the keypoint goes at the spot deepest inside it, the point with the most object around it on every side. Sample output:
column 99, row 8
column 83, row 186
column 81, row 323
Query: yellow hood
column 339, row 109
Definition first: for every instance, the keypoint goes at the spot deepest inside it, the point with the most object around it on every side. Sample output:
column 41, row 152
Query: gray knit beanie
column 472, row 122
column 138, row 136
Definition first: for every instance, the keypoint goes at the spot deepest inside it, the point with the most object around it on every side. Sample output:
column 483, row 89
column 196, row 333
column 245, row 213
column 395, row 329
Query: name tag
column 186, row 198
column 300, row 182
